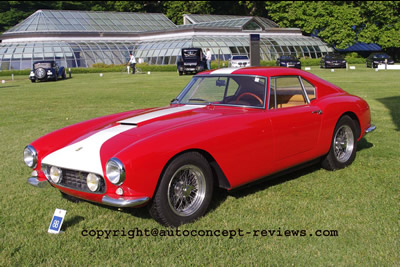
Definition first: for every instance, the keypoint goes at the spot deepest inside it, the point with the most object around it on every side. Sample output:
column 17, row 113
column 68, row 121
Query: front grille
column 77, row 180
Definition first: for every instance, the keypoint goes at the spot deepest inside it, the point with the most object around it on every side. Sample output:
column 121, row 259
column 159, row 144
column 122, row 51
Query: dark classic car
column 46, row 70
column 333, row 61
column 192, row 60
column 227, row 128
column 375, row 59
column 289, row 61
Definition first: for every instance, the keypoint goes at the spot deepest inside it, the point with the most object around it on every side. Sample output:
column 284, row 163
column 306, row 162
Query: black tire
column 343, row 147
column 64, row 76
column 180, row 73
column 184, row 192
column 70, row 198
column 33, row 81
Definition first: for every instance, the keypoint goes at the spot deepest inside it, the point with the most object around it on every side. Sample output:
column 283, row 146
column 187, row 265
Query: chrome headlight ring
column 115, row 171
column 30, row 156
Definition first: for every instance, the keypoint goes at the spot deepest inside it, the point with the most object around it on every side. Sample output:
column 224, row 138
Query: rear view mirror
column 220, row 83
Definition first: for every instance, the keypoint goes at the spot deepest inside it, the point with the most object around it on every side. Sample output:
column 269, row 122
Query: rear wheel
column 343, row 147
column 184, row 192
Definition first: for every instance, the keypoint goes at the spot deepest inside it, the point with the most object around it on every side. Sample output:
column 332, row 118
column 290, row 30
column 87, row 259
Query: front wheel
column 184, row 192
column 343, row 147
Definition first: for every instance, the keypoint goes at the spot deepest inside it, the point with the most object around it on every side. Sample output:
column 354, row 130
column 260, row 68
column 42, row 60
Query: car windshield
column 42, row 65
column 381, row 56
column 334, row 57
column 239, row 57
column 291, row 57
column 225, row 90
column 189, row 54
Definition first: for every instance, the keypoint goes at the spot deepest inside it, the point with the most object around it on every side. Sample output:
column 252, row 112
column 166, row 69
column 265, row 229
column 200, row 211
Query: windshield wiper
column 199, row 99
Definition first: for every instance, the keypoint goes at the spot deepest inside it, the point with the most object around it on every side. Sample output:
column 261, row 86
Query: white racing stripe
column 224, row 71
column 85, row 154
column 159, row 113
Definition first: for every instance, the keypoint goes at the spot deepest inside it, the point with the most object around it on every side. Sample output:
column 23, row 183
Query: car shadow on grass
column 272, row 180
column 71, row 221
column 363, row 144
column 392, row 103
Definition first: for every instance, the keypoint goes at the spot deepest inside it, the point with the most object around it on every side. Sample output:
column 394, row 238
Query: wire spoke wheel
column 186, row 190
column 344, row 143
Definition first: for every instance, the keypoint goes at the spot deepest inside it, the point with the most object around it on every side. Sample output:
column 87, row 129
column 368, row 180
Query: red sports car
column 228, row 127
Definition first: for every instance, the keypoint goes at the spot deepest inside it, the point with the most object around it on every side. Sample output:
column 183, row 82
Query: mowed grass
column 360, row 202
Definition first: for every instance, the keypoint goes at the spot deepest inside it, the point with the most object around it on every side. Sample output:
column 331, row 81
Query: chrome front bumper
column 122, row 202
column 36, row 182
column 370, row 129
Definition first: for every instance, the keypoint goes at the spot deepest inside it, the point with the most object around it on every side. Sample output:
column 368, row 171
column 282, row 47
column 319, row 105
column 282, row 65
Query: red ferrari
column 228, row 127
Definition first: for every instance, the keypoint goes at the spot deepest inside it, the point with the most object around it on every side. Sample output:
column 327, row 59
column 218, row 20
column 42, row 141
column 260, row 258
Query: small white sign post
column 56, row 221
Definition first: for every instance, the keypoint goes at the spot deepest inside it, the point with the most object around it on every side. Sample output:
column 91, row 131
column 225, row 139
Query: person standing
column 208, row 58
column 132, row 62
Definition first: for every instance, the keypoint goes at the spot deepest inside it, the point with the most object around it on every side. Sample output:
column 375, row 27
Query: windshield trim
column 179, row 98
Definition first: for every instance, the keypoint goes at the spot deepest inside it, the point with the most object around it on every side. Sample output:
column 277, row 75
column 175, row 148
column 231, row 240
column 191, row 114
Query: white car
column 240, row 61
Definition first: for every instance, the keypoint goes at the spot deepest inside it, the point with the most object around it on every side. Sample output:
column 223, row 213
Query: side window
column 310, row 89
column 233, row 86
column 286, row 91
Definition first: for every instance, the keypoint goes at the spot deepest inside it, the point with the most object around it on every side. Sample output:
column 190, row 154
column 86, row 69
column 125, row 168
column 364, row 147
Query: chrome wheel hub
column 186, row 190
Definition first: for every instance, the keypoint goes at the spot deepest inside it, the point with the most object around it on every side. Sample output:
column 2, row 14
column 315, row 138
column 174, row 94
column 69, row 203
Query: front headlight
column 30, row 156
column 115, row 171
column 55, row 174
column 93, row 182
column 49, row 72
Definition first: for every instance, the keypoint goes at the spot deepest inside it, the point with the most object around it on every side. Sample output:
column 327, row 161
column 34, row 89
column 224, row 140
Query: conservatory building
column 83, row 38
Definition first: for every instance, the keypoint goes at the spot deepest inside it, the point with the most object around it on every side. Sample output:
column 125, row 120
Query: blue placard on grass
column 56, row 221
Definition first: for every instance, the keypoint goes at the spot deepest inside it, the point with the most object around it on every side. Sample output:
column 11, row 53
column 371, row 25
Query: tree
column 174, row 10
column 381, row 23
column 332, row 21
column 342, row 23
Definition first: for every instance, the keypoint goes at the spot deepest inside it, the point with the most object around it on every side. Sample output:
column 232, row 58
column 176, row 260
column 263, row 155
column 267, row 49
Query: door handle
column 319, row 112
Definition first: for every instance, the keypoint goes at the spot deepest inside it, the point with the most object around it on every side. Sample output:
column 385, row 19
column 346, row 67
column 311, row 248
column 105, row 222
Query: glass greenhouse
column 83, row 38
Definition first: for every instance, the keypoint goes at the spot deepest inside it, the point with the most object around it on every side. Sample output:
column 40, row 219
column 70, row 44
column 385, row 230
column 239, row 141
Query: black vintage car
column 46, row 70
column 333, row 61
column 375, row 59
column 289, row 61
column 192, row 60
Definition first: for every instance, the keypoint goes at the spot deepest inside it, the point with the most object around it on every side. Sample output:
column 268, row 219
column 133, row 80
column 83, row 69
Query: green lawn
column 361, row 202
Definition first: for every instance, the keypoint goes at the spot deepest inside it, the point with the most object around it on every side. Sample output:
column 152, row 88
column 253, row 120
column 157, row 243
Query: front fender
column 61, row 71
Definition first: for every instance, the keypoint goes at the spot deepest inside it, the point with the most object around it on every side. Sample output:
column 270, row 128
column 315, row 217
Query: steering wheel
column 250, row 94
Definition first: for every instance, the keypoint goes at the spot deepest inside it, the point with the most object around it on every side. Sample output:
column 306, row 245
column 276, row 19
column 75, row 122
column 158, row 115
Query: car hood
column 93, row 148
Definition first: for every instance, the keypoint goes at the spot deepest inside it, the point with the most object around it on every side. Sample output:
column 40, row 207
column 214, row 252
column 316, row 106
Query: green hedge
column 100, row 67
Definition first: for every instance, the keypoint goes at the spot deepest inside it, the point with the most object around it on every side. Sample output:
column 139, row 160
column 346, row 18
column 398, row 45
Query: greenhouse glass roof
column 197, row 19
column 91, row 21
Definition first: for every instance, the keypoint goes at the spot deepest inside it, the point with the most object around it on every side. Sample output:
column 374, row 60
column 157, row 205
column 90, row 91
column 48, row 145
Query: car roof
column 44, row 61
column 259, row 71
column 271, row 72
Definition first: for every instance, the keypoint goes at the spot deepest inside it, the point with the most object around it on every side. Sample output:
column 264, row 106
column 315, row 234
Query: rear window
column 42, row 65
column 239, row 57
